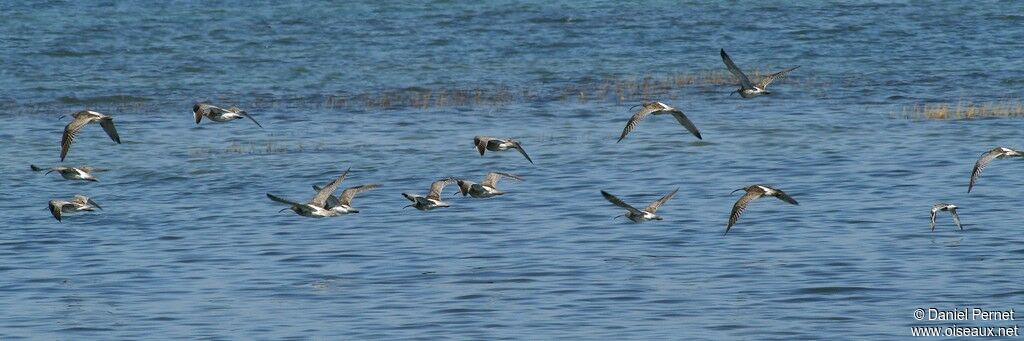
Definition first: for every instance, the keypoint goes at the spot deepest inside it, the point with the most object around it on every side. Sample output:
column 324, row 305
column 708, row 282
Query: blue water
column 187, row 246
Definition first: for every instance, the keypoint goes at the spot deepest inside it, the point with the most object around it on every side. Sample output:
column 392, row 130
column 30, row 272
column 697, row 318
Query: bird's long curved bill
column 738, row 189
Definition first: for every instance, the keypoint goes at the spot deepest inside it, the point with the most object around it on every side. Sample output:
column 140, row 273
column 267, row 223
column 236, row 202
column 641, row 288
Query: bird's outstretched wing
column 653, row 207
column 281, row 200
column 55, row 207
column 437, row 186
column 239, row 111
column 320, row 199
column 744, row 81
column 685, row 121
column 491, row 179
column 739, row 206
column 332, row 200
column 88, row 169
column 108, row 126
column 983, row 162
column 618, row 202
column 70, row 131
column 519, row 147
column 253, row 120
column 956, row 218
column 774, row 77
column 349, row 193
column 481, row 143
column 784, row 197
column 635, row 120
column 200, row 110
column 82, row 200
column 934, row 212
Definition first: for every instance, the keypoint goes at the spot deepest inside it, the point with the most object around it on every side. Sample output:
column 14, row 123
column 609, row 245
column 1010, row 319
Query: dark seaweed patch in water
column 69, row 53
column 115, row 99
column 830, row 290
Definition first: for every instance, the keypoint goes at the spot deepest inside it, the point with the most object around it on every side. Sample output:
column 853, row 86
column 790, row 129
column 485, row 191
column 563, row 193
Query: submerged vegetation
column 963, row 110
column 617, row 89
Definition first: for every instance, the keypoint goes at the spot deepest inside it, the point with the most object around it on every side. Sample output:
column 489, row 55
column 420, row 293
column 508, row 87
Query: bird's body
column 484, row 143
column 433, row 198
column 986, row 158
column 217, row 114
column 637, row 215
column 72, row 173
column 658, row 108
column 81, row 119
column 79, row 203
column 343, row 204
column 754, row 192
column 487, row 188
column 946, row 207
column 747, row 88
column 316, row 207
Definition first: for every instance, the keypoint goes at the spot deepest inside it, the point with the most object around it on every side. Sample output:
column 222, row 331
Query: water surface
column 188, row 246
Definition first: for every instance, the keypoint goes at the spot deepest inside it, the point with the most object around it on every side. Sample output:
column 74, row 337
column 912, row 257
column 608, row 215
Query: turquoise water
column 187, row 246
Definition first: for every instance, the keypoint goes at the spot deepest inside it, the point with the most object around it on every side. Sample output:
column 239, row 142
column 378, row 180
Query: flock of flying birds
column 325, row 204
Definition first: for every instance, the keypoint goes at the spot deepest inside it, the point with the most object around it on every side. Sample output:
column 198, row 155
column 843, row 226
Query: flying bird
column 433, row 198
column 639, row 216
column 72, row 173
column 316, row 207
column 82, row 118
column 343, row 204
column 754, row 192
column 487, row 188
column 946, row 207
column 657, row 108
column 983, row 161
column 483, row 143
column 747, row 88
column 217, row 114
column 79, row 203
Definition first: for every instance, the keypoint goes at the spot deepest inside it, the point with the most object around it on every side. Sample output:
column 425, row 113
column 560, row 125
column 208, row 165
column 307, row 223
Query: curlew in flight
column 79, row 203
column 218, row 114
column 754, row 192
column 639, row 216
column 72, row 173
column 316, row 207
column 983, row 161
column 83, row 118
column 658, row 108
column 433, row 199
column 748, row 89
column 487, row 188
column 946, row 207
column 483, row 143
column 343, row 204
